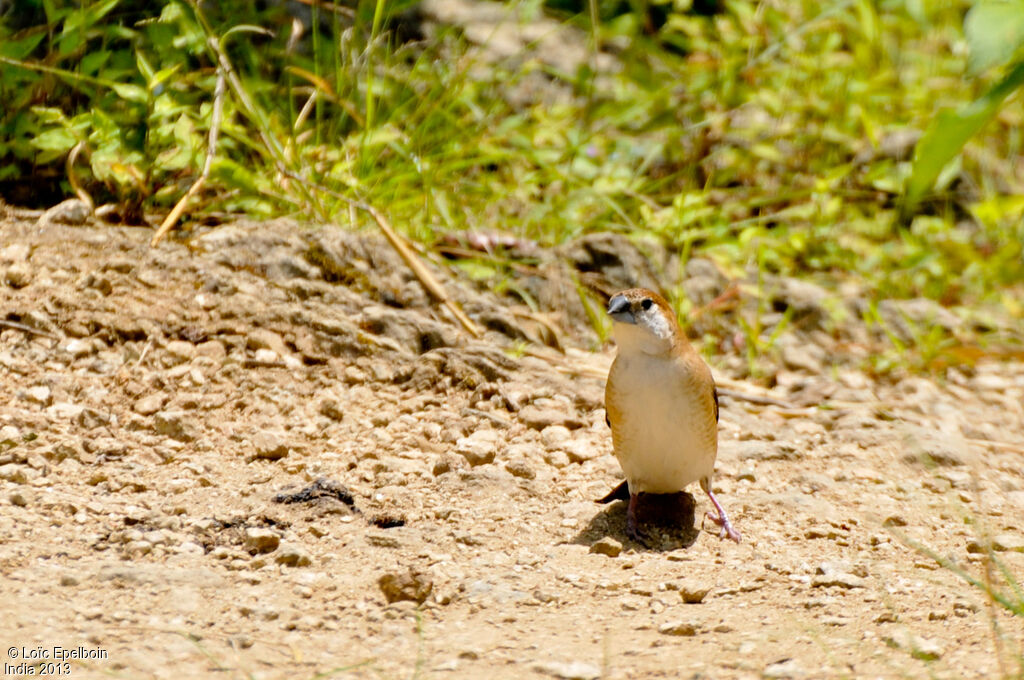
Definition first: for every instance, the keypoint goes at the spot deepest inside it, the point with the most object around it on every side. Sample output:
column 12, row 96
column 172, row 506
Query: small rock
column 558, row 459
column 211, row 349
column 443, row 464
column 894, row 521
column 478, row 448
column 293, row 556
column 787, row 668
column 919, row 647
column 929, row 448
column 73, row 211
column 40, row 394
column 266, row 357
column 149, row 405
column 539, row 418
column 174, row 424
column 679, row 628
column 607, row 546
column 180, row 351
column 16, row 252
column 10, row 433
column 746, row 475
column 412, row 585
column 579, row 450
column 259, row 540
column 261, row 338
column 13, row 472
column 1000, row 543
column 79, row 348
column 330, row 408
column 18, row 275
column 520, row 468
column 693, row 592
column 571, row 670
column 269, row 446
column 1010, row 542
column 18, row 498
column 382, row 540
column 840, row 579
column 555, row 435
column 803, row 357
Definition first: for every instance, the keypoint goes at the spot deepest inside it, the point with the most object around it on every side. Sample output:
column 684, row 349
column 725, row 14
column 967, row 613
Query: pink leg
column 721, row 519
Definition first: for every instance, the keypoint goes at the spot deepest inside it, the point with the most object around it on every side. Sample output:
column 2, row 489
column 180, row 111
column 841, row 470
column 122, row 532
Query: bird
column 662, row 406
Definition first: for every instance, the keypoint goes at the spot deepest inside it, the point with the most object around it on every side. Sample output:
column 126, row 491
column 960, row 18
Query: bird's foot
column 635, row 534
column 726, row 530
column 632, row 528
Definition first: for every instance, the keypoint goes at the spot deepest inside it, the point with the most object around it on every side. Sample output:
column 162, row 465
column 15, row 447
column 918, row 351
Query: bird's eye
column 646, row 304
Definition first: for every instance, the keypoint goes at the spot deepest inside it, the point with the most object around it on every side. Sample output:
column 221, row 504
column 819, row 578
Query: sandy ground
column 263, row 452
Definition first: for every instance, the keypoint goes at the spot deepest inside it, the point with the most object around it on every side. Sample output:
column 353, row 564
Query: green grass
column 761, row 136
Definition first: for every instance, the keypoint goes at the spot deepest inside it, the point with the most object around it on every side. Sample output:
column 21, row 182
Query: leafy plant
column 995, row 37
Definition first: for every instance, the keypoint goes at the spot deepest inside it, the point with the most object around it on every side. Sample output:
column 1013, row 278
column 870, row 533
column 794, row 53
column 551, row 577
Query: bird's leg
column 721, row 519
column 631, row 528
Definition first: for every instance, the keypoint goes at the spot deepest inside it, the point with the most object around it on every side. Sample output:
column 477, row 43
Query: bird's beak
column 618, row 309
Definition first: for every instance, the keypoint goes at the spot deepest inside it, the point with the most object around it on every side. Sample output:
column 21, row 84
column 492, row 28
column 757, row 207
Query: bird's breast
column 663, row 425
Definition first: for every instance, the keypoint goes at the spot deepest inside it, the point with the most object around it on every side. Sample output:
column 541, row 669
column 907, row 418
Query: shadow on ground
column 666, row 520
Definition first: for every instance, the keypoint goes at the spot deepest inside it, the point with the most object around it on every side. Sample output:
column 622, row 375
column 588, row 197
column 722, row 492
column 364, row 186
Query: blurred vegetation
column 781, row 136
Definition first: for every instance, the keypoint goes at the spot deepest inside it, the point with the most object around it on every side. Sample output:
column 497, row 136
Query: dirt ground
column 264, row 452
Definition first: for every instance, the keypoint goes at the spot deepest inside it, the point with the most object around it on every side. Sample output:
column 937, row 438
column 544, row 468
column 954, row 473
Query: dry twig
column 405, row 251
column 211, row 150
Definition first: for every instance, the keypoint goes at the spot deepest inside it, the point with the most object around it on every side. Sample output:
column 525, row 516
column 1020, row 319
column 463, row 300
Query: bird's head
column 644, row 321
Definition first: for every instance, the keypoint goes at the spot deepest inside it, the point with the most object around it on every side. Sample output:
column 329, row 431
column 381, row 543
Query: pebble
column 679, row 628
column 16, row 252
column 269, row 446
column 13, row 472
column 18, row 275
column 174, row 424
column 179, row 352
column 579, row 450
column 693, row 592
column 18, row 498
column 478, row 448
column 261, row 338
column 330, row 408
column 266, row 357
column 259, row 540
column 555, row 435
column 212, row 349
column 520, row 468
column 40, row 394
column 293, row 556
column 607, row 546
column 539, row 418
column 150, row 404
column 411, row 585
column 443, row 464
column 557, row 459
column 10, row 433
column 787, row 668
column 569, row 670
column 1000, row 543
column 73, row 211
column 747, row 475
column 830, row 577
column 79, row 348
column 919, row 647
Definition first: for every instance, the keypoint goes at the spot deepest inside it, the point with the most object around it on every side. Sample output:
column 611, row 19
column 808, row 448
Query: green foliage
column 769, row 134
column 995, row 36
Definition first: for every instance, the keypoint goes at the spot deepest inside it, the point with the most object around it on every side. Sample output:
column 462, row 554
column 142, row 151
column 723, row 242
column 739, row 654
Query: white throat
column 653, row 337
